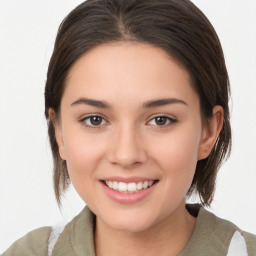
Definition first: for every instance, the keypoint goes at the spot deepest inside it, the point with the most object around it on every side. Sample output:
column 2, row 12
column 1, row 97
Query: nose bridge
column 127, row 147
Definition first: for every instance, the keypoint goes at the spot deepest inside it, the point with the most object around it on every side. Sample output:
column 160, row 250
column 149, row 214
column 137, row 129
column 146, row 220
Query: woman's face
column 131, row 133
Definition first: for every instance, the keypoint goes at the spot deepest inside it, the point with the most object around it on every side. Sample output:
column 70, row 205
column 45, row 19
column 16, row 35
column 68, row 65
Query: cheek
column 177, row 154
column 83, row 156
column 83, row 153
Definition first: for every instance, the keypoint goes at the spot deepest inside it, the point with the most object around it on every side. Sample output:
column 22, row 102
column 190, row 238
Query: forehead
column 131, row 69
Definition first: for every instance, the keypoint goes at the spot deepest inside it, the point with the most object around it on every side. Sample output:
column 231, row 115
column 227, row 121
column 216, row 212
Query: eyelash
column 168, row 119
column 83, row 121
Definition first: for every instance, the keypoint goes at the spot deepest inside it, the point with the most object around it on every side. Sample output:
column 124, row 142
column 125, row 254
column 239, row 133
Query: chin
column 131, row 226
column 130, row 221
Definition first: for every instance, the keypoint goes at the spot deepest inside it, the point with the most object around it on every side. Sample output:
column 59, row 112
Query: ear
column 58, row 132
column 210, row 132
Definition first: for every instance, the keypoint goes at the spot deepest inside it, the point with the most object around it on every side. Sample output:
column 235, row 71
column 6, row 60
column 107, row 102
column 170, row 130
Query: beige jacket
column 211, row 237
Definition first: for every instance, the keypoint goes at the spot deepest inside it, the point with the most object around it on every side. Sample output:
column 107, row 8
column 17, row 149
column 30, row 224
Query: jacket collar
column 211, row 235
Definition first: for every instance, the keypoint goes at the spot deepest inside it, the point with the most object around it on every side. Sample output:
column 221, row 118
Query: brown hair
column 178, row 27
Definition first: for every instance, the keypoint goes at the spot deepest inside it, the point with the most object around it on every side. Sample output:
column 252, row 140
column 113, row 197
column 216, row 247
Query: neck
column 168, row 237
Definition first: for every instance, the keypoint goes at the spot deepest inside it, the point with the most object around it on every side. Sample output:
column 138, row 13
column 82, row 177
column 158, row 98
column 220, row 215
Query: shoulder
column 228, row 234
column 239, row 237
column 216, row 236
column 250, row 240
column 33, row 243
column 77, row 236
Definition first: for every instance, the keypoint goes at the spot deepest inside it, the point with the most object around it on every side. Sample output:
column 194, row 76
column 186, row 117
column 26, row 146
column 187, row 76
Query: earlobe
column 210, row 133
column 58, row 132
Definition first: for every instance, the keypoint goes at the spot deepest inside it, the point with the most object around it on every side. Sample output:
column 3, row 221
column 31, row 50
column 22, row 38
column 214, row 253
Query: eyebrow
column 162, row 102
column 91, row 102
column 148, row 104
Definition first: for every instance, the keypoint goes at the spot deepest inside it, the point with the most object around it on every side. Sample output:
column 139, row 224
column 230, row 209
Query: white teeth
column 122, row 187
column 139, row 186
column 145, row 184
column 115, row 185
column 150, row 183
column 110, row 184
column 129, row 187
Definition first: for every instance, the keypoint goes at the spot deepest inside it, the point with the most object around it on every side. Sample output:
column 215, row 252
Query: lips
column 130, row 190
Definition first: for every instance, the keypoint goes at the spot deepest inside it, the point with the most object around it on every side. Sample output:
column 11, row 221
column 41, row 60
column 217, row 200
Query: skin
column 129, row 142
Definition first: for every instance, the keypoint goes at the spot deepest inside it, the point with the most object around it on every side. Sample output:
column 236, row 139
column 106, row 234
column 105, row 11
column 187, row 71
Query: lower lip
column 127, row 198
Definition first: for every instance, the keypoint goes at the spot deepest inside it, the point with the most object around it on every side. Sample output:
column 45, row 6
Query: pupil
column 96, row 120
column 161, row 120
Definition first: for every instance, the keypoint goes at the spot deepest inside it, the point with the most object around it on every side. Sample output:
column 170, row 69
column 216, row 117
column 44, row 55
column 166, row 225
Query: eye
column 93, row 121
column 161, row 121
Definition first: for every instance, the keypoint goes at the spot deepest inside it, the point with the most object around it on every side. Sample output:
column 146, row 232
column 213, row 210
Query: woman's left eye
column 94, row 121
column 161, row 121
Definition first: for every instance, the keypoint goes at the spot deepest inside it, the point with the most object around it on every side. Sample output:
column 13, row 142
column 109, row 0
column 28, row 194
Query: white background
column 27, row 33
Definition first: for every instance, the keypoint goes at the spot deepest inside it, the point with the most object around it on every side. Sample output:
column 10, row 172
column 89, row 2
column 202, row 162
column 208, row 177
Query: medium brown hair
column 178, row 27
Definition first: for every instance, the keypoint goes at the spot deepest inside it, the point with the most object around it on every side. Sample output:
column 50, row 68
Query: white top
column 55, row 233
column 237, row 246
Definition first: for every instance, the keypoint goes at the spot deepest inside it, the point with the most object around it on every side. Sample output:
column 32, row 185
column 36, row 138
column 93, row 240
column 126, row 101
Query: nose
column 127, row 148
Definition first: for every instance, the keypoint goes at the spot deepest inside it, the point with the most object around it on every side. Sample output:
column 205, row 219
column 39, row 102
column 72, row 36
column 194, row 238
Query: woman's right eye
column 93, row 121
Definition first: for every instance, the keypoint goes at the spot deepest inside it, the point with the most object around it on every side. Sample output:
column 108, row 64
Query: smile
column 131, row 187
column 128, row 190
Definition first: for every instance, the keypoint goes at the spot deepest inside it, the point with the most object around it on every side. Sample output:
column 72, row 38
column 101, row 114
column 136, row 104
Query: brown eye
column 162, row 121
column 94, row 121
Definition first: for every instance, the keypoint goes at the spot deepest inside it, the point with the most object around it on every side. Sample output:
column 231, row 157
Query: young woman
column 136, row 100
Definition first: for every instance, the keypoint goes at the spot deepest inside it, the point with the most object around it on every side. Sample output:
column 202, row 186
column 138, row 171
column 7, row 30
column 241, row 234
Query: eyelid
column 82, row 120
column 171, row 119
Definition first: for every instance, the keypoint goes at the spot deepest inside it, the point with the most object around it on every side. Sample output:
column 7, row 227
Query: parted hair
column 176, row 26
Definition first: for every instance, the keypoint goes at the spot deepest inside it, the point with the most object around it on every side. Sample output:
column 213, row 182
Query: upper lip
column 128, row 179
